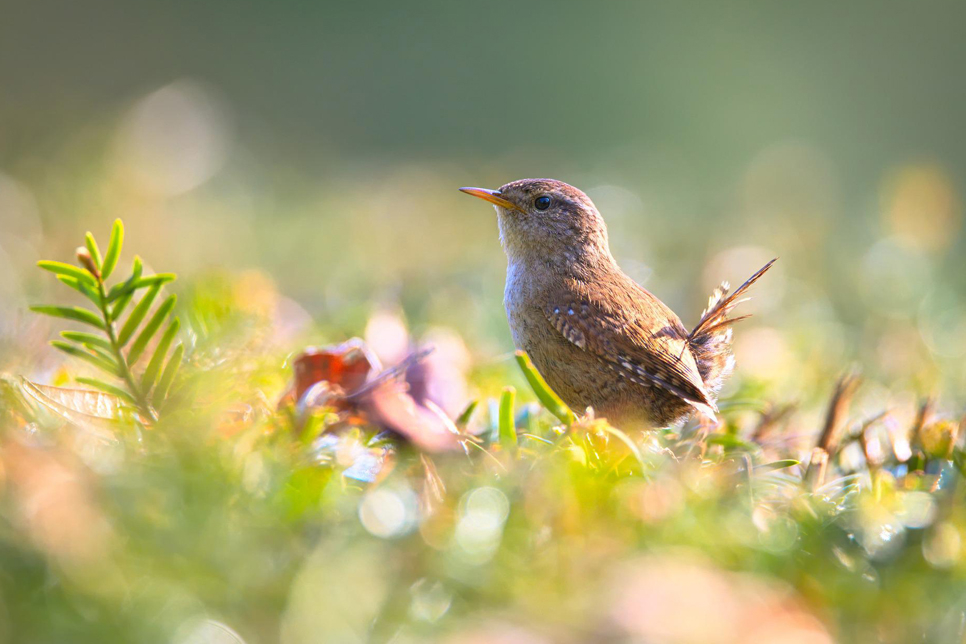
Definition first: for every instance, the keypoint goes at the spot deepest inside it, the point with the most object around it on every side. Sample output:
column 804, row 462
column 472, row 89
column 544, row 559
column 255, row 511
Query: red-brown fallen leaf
column 347, row 365
column 97, row 412
column 349, row 378
column 102, row 414
column 427, row 427
column 440, row 377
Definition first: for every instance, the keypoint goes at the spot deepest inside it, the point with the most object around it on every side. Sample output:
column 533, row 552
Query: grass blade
column 547, row 396
column 154, row 366
column 464, row 417
column 71, row 313
column 167, row 376
column 113, row 249
column 777, row 465
column 508, row 431
column 137, row 315
column 730, row 441
column 624, row 438
column 150, row 329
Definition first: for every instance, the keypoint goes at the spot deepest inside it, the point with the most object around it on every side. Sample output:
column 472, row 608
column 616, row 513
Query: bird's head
column 547, row 220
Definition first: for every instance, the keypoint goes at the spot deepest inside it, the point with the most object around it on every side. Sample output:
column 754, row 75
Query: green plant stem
column 125, row 369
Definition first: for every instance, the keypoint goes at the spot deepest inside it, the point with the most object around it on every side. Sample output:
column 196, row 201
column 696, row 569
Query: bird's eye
column 542, row 203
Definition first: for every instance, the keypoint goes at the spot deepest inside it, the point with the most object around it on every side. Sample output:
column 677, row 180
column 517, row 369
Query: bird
column 598, row 338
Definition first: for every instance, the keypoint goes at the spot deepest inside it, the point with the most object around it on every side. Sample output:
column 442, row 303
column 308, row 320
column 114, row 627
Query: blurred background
column 318, row 147
column 297, row 163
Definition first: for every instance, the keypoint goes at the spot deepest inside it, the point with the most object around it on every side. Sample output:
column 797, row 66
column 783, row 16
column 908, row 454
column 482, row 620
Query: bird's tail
column 710, row 341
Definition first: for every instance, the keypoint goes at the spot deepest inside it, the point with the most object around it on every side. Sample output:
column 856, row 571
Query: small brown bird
column 597, row 337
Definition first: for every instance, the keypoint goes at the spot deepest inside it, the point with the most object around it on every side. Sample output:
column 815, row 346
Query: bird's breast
column 519, row 305
column 525, row 300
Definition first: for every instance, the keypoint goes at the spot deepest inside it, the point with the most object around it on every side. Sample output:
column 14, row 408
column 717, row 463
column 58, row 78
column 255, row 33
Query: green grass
column 298, row 523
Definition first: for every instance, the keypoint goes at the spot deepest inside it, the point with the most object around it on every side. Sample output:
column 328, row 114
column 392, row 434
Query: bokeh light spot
column 388, row 512
column 921, row 207
column 480, row 528
column 174, row 139
column 207, row 631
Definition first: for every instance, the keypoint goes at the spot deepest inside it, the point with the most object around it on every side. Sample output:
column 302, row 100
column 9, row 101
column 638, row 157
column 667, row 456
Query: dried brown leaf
column 83, row 407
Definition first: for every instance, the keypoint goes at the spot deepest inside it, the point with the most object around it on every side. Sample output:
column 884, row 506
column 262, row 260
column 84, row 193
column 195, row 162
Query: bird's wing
column 648, row 347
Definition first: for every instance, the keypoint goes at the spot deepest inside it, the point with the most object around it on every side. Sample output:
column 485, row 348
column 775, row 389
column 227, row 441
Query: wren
column 598, row 338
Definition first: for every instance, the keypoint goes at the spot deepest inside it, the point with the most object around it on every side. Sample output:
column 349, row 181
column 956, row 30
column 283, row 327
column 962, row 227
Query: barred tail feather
column 710, row 341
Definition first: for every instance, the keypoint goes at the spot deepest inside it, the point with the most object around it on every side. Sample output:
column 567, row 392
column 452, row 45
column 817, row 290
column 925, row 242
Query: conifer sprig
column 110, row 348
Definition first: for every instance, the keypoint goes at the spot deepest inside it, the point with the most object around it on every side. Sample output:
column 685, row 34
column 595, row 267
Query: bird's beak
column 493, row 196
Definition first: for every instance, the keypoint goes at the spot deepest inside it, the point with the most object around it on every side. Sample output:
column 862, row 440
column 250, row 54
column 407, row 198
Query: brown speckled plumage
column 598, row 338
